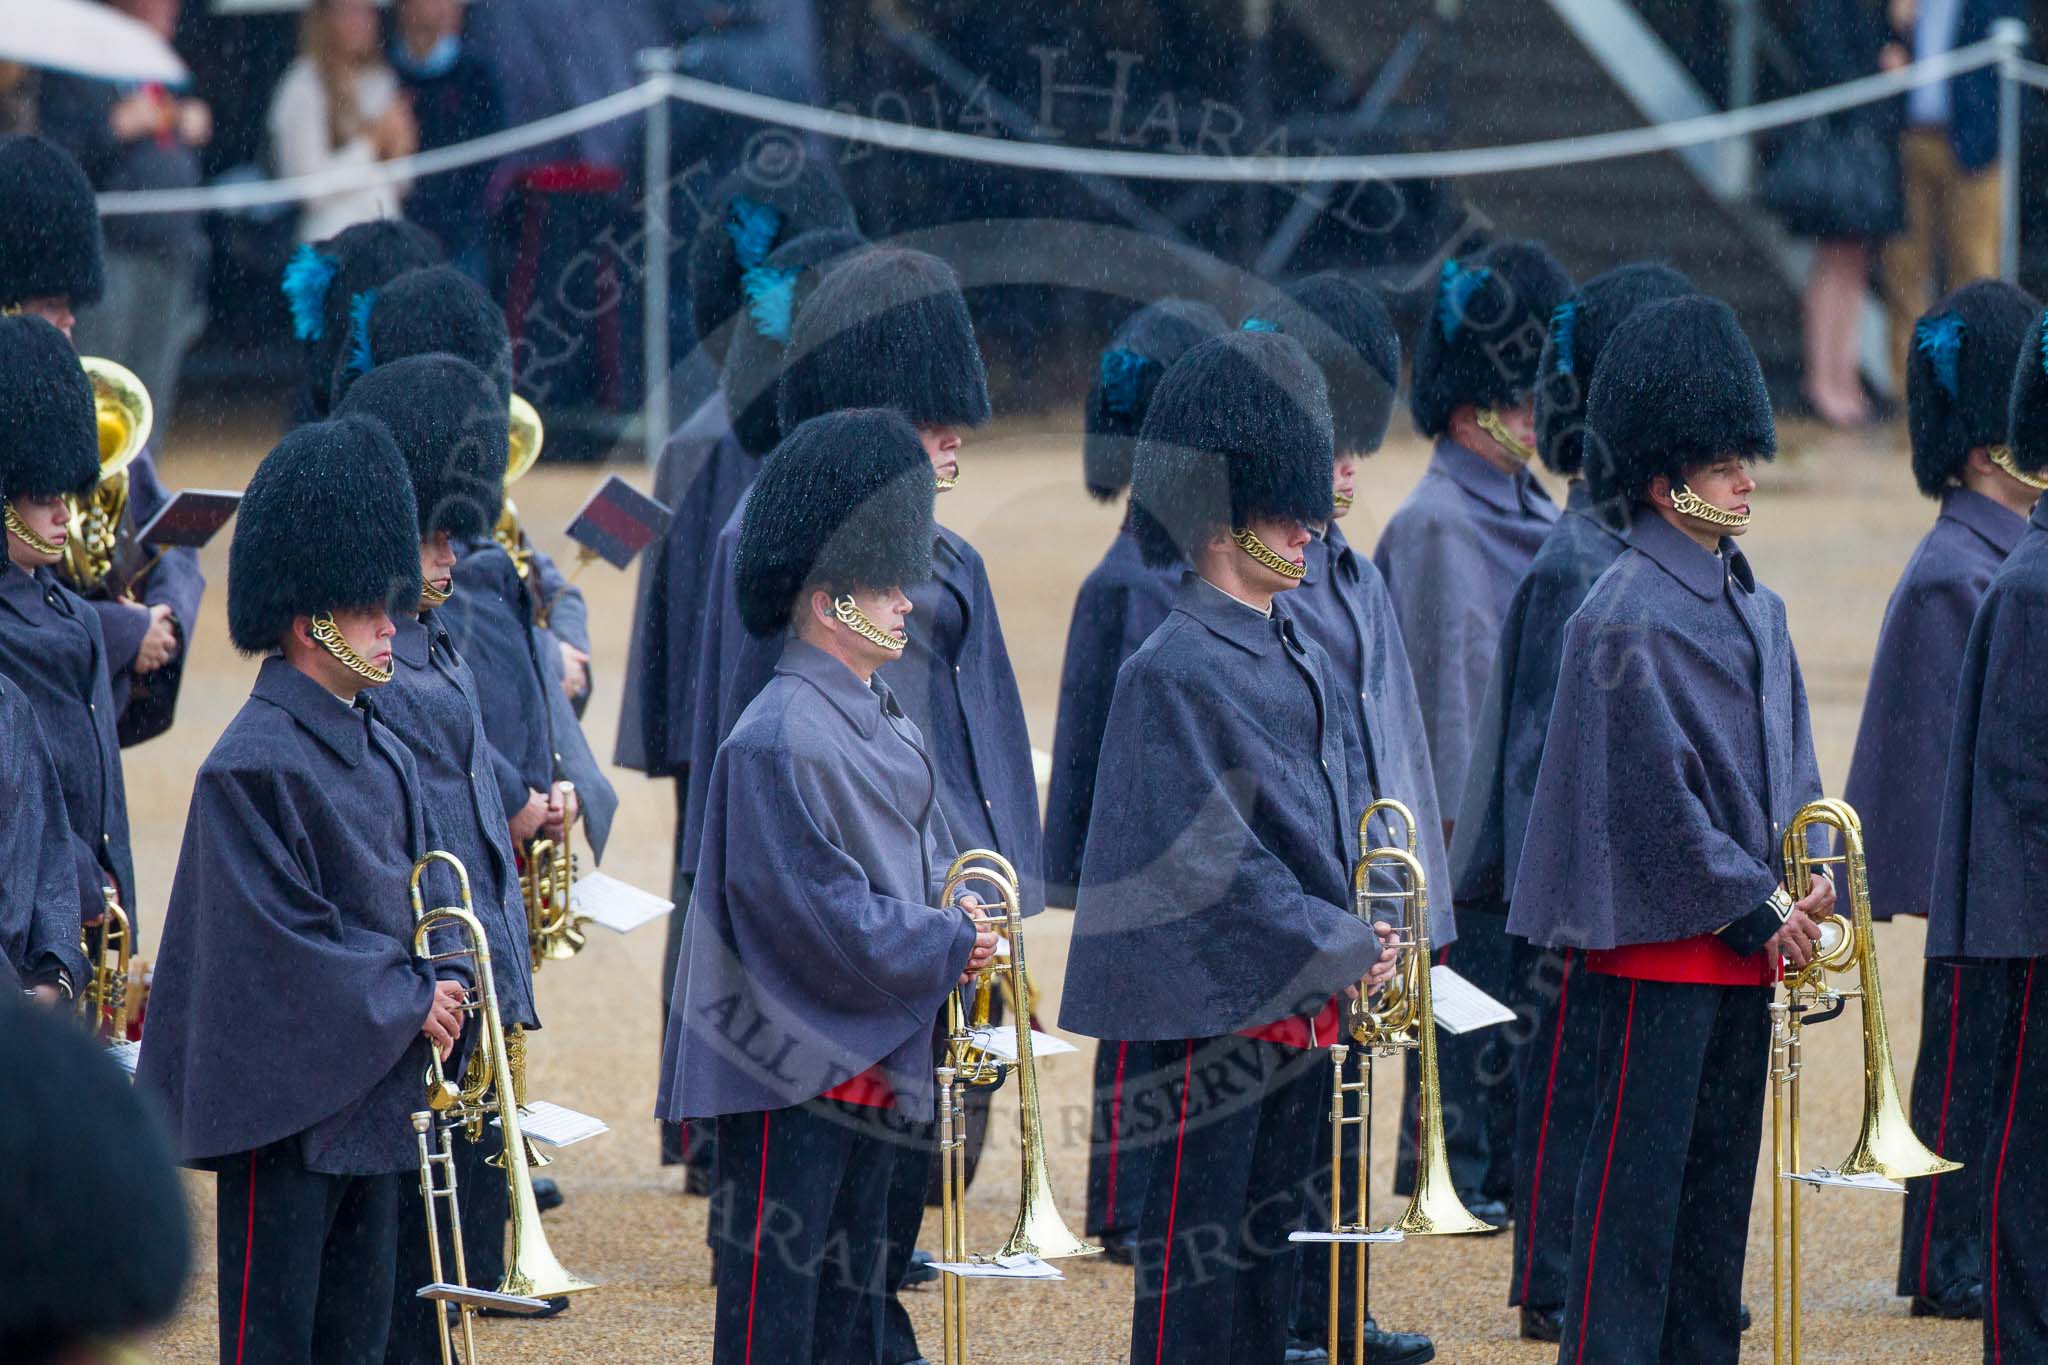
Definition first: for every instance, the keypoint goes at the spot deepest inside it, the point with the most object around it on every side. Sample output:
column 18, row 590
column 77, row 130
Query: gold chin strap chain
column 1687, row 503
column 432, row 596
column 1342, row 501
column 944, row 485
column 331, row 639
column 860, row 623
column 1490, row 423
column 1266, row 555
column 18, row 528
column 2000, row 456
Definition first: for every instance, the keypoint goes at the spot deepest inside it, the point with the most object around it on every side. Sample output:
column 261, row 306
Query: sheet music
column 1000, row 1042
column 1023, row 1266
column 619, row 906
column 556, row 1124
column 125, row 1056
column 1460, row 1006
column 1821, row 1175
column 1381, row 1236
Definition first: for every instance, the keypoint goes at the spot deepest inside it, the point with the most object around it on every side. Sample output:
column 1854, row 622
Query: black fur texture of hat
column 1579, row 328
column 49, row 435
column 1959, row 373
column 844, row 502
column 1347, row 331
column 1239, row 428
column 450, row 429
column 49, row 225
column 421, row 312
column 1678, row 385
column 2028, row 412
column 322, row 279
column 78, row 1143
column 327, row 524
column 774, row 291
column 1483, row 334
column 1126, row 376
column 749, row 214
column 888, row 328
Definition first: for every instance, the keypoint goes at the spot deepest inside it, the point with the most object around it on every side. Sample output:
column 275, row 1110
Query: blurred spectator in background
column 767, row 46
column 17, row 98
column 1836, row 180
column 1950, row 156
column 453, row 93
column 553, row 55
column 339, row 105
column 140, row 137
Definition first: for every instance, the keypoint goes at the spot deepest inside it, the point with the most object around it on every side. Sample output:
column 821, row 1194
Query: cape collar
column 413, row 642
column 2000, row 527
column 1227, row 617
column 21, row 591
column 1578, row 501
column 859, row 702
column 1679, row 555
column 1516, row 492
column 343, row 729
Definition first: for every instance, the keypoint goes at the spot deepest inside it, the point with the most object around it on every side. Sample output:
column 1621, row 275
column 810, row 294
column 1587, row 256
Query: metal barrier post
column 2011, row 36
column 656, row 246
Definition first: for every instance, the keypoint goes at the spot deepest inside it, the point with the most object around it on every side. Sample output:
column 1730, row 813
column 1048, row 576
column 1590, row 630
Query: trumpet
column 486, row 1091
column 1886, row 1144
column 1403, row 1018
column 106, row 1002
column 125, row 415
column 554, row 931
column 1039, row 1230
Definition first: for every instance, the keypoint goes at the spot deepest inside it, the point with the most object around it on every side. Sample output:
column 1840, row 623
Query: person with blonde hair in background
column 338, row 106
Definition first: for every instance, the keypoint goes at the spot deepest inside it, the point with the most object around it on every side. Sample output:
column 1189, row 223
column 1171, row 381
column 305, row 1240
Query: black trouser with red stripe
column 2016, row 1213
column 796, row 1233
column 1662, row 1215
column 306, row 1260
column 1558, row 1091
column 486, row 1203
column 1956, row 1091
column 1214, row 1268
column 1117, row 1161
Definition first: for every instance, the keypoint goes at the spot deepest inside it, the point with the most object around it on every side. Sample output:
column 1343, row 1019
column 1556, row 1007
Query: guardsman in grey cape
column 1959, row 380
column 1653, row 841
column 50, row 264
column 1342, row 604
column 815, row 963
column 1212, row 918
column 1990, row 872
column 39, row 903
column 51, row 648
column 1122, row 600
column 1556, row 1000
column 290, row 1022
column 445, row 418
column 1452, row 554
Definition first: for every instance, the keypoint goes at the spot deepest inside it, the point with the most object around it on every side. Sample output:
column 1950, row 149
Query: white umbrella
column 86, row 39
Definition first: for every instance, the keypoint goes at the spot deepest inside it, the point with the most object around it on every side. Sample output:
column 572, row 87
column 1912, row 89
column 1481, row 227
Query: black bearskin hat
column 452, row 431
column 1579, row 328
column 844, row 502
column 774, row 291
column 326, row 524
column 49, row 436
column 1483, row 334
column 2028, row 413
column 322, row 280
column 1347, row 331
column 749, row 214
column 888, row 328
column 1239, row 428
column 49, row 224
column 1959, row 375
column 77, row 1143
column 1137, row 358
column 1678, row 385
column 423, row 311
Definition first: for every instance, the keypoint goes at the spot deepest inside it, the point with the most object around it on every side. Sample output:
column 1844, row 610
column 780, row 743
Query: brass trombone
column 126, row 415
column 1039, row 1229
column 532, row 1273
column 1402, row 1018
column 1886, row 1144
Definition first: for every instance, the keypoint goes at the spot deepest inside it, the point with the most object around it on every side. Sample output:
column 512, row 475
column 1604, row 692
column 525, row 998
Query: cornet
column 554, row 931
column 106, row 1001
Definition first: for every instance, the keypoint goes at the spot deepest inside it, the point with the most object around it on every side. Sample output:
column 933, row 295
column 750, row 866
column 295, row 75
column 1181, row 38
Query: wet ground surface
column 1836, row 519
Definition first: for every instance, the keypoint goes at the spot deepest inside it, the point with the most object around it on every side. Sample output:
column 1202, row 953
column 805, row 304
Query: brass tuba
column 1886, row 1144
column 126, row 416
column 486, row 1091
column 1039, row 1229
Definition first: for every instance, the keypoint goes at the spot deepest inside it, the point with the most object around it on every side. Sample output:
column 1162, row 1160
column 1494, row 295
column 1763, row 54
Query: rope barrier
column 1035, row 156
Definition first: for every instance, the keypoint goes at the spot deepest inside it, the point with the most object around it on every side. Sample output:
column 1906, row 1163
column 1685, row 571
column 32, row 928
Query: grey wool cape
column 287, row 999
column 1895, row 777
column 1514, row 721
column 813, row 950
column 39, row 898
column 1216, row 885
column 1989, row 897
column 1679, row 747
